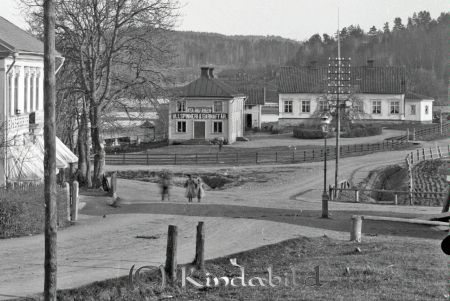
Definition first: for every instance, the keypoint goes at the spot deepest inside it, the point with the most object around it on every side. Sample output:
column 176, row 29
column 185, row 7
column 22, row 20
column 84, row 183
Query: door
column 199, row 130
column 248, row 121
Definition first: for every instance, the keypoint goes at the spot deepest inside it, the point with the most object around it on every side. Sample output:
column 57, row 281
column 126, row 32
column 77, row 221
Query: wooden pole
column 199, row 260
column 68, row 199
column 75, row 192
column 356, row 196
column 114, row 185
column 396, row 199
column 171, row 253
column 355, row 234
column 50, row 261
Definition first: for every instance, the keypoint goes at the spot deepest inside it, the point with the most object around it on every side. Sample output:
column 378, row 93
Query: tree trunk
column 82, row 141
column 50, row 262
column 97, row 144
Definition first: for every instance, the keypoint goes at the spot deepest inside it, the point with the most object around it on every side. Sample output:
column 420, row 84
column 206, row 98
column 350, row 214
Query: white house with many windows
column 206, row 109
column 21, row 107
column 379, row 94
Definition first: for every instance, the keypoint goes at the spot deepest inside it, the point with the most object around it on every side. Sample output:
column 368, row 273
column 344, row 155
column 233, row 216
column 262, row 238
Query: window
column 413, row 110
column 181, row 106
column 395, row 107
column 181, row 126
column 10, row 93
column 16, row 93
column 25, row 93
column 306, row 106
column 426, row 110
column 376, row 107
column 323, row 105
column 218, row 106
column 288, row 106
column 32, row 79
column 217, row 127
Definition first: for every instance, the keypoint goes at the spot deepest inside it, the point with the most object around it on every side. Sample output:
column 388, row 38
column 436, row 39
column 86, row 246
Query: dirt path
column 98, row 248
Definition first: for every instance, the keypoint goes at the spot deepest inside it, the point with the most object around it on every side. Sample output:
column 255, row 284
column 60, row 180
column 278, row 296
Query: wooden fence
column 261, row 157
column 413, row 134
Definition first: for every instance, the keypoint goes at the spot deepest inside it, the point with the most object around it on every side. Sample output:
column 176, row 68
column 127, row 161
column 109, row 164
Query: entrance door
column 248, row 121
column 199, row 130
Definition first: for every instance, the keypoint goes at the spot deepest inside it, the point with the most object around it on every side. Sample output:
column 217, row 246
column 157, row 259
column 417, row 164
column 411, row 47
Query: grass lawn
column 385, row 269
column 22, row 212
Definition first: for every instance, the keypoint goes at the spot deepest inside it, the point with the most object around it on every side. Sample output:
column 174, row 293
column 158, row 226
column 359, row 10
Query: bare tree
column 115, row 46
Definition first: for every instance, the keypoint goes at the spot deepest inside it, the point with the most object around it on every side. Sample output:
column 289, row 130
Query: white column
column 32, row 89
column 11, row 93
column 26, row 90
column 19, row 89
column 39, row 90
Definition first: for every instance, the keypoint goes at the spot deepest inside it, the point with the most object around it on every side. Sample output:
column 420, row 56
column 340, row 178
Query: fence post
column 68, row 202
column 412, row 158
column 256, row 157
column 304, row 156
column 431, row 153
column 237, row 157
column 199, row 260
column 418, row 155
column 114, row 185
column 175, row 159
column 410, row 182
column 313, row 155
column 407, row 135
column 123, row 158
column 147, row 158
column 414, row 134
column 75, row 191
column 423, row 154
column 293, row 156
column 439, row 151
column 355, row 234
column 196, row 158
column 171, row 253
column 356, row 196
column 396, row 199
column 217, row 157
column 276, row 156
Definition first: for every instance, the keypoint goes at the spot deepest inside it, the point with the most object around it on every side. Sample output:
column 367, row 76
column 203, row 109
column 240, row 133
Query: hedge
column 362, row 131
column 304, row 133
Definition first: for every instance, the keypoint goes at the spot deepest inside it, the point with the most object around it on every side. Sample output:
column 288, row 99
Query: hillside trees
column 421, row 46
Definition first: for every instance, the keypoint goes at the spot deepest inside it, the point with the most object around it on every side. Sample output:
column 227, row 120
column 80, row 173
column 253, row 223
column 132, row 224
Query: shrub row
column 22, row 212
column 304, row 133
column 361, row 131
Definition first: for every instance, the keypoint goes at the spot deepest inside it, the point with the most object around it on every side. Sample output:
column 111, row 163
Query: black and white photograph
column 261, row 150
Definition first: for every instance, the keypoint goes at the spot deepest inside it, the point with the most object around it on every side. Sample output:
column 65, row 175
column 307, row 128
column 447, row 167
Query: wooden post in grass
column 68, row 202
column 431, row 153
column 423, row 154
column 356, row 196
column 199, row 260
column 439, row 151
column 355, row 234
column 171, row 253
column 75, row 191
column 113, row 185
column 395, row 199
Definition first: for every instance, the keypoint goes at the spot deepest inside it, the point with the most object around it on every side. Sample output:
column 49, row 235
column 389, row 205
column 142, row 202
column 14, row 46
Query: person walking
column 200, row 189
column 165, row 182
column 190, row 188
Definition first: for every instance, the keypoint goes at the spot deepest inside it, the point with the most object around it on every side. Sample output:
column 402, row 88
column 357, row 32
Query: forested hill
column 194, row 49
column 420, row 43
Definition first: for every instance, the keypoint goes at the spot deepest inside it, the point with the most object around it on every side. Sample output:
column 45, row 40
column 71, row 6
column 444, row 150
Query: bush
column 304, row 133
column 22, row 212
column 359, row 130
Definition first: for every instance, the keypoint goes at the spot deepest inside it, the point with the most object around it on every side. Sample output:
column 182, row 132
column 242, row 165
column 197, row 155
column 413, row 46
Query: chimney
column 370, row 63
column 210, row 72
column 204, row 72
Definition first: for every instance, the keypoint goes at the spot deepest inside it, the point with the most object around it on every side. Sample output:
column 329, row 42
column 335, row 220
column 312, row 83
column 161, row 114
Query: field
column 382, row 269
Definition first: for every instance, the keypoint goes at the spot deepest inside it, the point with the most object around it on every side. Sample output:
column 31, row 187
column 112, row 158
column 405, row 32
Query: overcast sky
column 295, row 19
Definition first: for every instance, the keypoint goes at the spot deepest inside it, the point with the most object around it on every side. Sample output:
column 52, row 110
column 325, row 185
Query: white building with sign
column 206, row 109
column 22, row 107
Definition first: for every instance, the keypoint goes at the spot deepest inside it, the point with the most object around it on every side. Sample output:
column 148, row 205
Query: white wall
column 386, row 99
column 296, row 104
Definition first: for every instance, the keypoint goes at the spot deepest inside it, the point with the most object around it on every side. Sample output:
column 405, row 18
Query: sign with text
column 199, row 110
column 199, row 116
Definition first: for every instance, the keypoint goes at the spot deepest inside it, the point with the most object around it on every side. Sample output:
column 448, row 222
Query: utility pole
column 50, row 263
column 338, row 84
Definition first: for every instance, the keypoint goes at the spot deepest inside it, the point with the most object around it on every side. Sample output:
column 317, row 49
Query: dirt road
column 99, row 248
